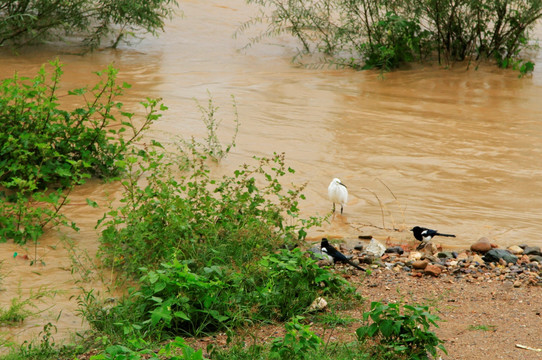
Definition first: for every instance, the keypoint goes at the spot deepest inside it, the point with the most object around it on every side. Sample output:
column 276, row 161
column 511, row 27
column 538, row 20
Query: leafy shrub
column 278, row 297
column 395, row 41
column 200, row 219
column 46, row 150
column 400, row 333
column 175, row 300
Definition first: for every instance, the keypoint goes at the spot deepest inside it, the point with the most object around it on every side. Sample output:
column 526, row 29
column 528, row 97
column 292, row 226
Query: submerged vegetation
column 25, row 22
column 384, row 34
column 47, row 149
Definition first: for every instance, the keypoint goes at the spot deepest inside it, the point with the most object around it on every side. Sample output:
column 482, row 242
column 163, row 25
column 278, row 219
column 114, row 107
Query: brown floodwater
column 452, row 149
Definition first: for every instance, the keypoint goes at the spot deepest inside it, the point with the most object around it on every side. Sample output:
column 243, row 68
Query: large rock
column 375, row 248
column 494, row 255
column 481, row 246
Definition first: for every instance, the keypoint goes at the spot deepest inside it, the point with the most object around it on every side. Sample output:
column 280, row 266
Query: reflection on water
column 453, row 150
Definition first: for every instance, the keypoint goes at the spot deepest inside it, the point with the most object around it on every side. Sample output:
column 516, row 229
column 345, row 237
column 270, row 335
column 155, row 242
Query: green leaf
column 92, row 203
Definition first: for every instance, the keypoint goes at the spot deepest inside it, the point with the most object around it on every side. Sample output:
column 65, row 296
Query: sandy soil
column 484, row 320
column 479, row 320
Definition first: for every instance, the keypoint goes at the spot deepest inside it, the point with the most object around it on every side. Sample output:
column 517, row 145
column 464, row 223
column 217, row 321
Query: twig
column 380, row 203
column 527, row 348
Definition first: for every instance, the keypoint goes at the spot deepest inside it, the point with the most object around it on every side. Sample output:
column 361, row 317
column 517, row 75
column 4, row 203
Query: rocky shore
column 519, row 265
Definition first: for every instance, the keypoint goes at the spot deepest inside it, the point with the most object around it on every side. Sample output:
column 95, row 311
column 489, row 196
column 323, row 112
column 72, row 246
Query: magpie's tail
column 447, row 235
column 356, row 266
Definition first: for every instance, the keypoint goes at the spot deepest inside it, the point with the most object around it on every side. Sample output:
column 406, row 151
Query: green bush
column 175, row 300
column 233, row 220
column 45, row 150
column 396, row 40
column 400, row 332
column 278, row 299
column 387, row 33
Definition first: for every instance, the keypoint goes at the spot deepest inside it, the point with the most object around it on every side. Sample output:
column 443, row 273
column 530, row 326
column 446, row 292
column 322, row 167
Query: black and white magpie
column 425, row 235
column 336, row 254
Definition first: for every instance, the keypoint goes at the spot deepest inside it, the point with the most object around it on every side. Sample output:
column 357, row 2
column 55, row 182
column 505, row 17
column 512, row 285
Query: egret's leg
column 333, row 207
column 341, row 209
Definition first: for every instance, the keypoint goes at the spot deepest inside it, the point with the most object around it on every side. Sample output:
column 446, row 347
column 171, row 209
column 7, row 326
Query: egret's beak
column 343, row 185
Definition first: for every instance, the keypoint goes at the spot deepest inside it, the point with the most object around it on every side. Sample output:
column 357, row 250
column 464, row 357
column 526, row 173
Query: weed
column 174, row 350
column 20, row 306
column 298, row 342
column 483, row 327
column 333, row 320
column 211, row 146
column 175, row 299
column 400, row 331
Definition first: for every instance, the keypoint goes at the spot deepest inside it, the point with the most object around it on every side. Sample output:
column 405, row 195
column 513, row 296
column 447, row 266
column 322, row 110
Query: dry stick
column 380, row 203
column 396, row 199
column 527, row 348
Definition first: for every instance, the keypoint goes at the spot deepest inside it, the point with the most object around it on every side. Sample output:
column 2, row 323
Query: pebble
column 420, row 264
column 481, row 246
column 432, row 270
column 496, row 265
column 395, row 250
column 514, row 249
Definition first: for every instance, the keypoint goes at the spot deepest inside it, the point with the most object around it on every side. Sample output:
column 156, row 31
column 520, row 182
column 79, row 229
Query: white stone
column 375, row 248
column 318, row 304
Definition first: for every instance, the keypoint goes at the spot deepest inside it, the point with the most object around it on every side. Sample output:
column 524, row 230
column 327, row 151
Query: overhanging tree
column 25, row 21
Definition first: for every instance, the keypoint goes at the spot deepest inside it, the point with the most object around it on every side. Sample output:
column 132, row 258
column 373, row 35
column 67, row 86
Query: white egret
column 337, row 193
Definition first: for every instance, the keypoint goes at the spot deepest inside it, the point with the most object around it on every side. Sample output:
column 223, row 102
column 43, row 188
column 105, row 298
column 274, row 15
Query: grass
column 482, row 328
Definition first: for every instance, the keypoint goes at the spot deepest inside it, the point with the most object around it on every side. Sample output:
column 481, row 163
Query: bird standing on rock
column 337, row 193
column 425, row 235
column 336, row 254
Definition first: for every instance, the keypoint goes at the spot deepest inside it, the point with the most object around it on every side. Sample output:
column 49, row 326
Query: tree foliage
column 24, row 21
column 387, row 33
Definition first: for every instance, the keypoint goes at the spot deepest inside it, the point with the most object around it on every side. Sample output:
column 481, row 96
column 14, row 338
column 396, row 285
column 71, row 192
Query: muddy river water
column 453, row 149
